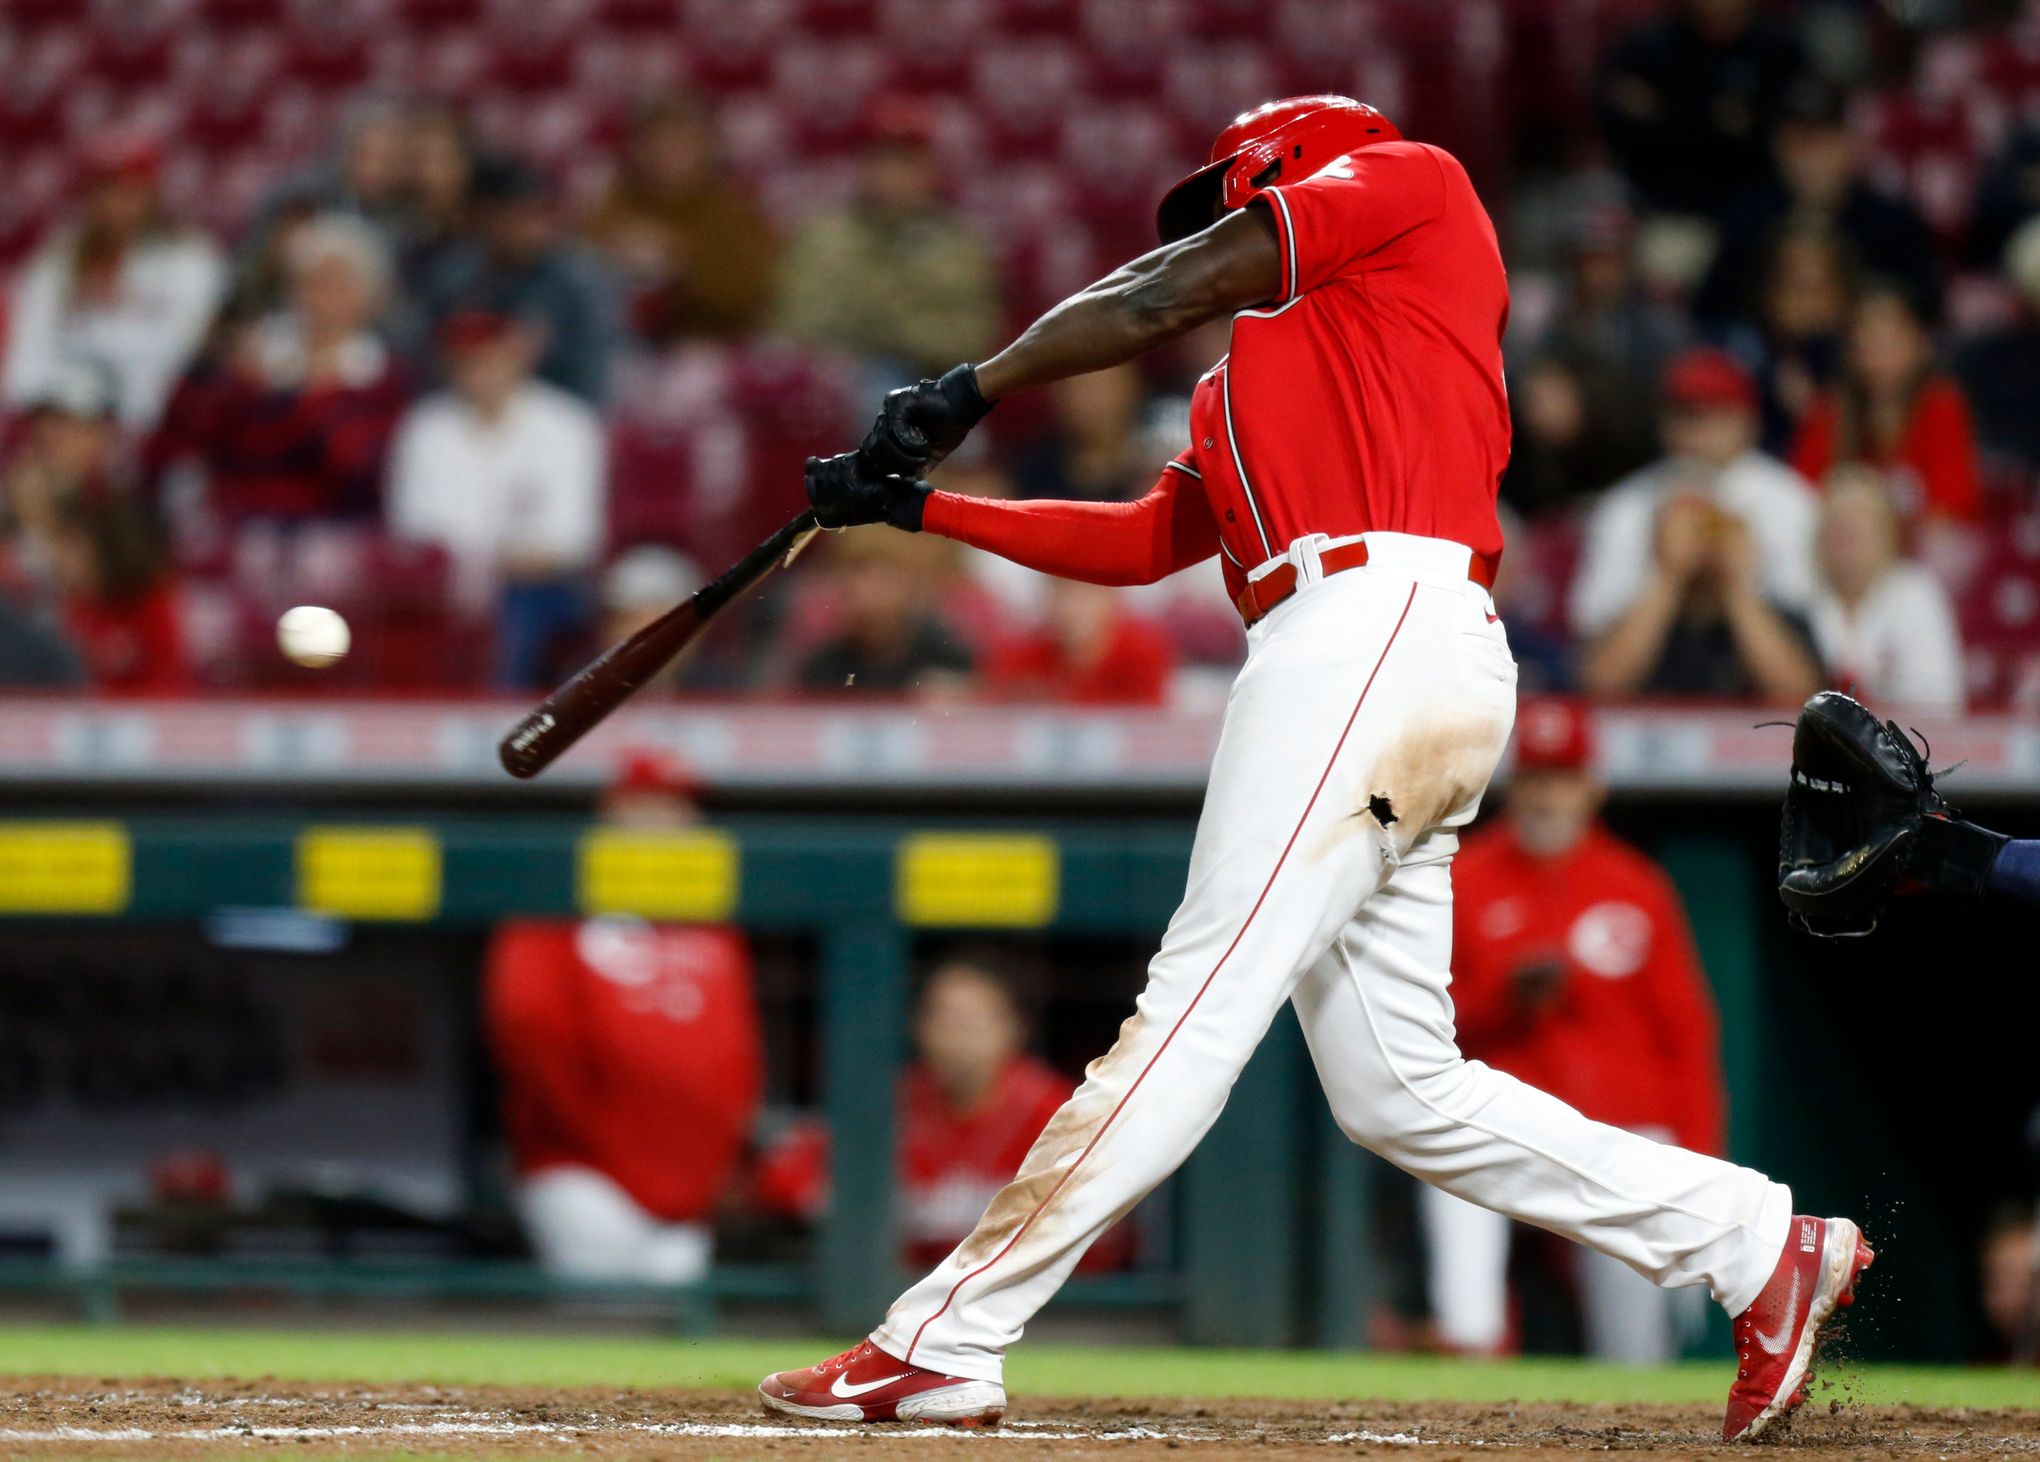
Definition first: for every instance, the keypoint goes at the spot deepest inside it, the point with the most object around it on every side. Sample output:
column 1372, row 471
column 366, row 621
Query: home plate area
column 101, row 1418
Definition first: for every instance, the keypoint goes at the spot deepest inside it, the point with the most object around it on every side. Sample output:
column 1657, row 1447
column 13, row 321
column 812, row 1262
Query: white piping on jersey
column 1267, row 314
column 1288, row 240
column 1232, row 440
column 1184, row 467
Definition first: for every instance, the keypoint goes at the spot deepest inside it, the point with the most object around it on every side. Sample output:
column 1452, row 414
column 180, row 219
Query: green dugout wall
column 1274, row 1236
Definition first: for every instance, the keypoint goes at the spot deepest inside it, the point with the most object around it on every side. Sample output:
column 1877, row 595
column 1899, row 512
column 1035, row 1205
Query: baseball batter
column 1342, row 467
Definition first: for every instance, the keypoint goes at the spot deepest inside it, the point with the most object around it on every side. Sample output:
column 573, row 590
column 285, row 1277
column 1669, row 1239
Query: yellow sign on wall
column 64, row 868
column 369, row 872
column 984, row 880
column 690, row 876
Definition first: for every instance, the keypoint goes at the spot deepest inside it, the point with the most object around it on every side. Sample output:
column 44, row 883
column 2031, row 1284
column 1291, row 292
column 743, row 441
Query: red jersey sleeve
column 1100, row 543
column 1688, row 1028
column 1343, row 218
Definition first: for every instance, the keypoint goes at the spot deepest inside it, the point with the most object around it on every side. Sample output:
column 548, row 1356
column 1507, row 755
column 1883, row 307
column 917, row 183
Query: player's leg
column 1377, row 1016
column 581, row 1225
column 1351, row 682
column 1379, row 1023
column 1285, row 849
column 1466, row 1273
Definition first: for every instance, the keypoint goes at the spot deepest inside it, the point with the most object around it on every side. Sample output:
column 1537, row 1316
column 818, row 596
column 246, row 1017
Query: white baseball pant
column 1626, row 1318
column 1358, row 738
column 582, row 1225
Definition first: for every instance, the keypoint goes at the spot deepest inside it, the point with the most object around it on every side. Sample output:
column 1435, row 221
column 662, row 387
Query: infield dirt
column 98, row 1417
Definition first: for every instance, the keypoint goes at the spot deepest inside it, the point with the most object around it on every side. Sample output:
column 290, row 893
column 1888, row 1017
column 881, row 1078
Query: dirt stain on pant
column 1432, row 769
column 1054, row 1170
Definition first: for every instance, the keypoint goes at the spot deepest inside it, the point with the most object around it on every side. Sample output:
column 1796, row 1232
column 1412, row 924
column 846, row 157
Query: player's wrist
column 963, row 394
column 906, row 503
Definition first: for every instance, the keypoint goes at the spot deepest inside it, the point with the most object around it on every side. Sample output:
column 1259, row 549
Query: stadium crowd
column 494, row 325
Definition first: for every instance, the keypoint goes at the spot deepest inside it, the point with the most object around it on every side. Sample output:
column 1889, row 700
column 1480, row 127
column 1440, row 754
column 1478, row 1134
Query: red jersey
column 1937, row 450
column 953, row 1163
column 1132, row 668
column 1367, row 396
column 1631, row 1037
column 133, row 646
column 628, row 1048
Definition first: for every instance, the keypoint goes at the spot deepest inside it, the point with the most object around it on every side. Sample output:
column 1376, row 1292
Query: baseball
column 313, row 636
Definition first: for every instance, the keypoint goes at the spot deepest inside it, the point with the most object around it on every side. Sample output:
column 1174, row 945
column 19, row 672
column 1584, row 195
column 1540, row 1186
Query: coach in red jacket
column 1573, row 969
column 631, row 1067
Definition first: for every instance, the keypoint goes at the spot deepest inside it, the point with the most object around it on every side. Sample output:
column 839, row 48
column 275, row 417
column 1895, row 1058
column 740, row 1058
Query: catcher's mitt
column 1861, row 817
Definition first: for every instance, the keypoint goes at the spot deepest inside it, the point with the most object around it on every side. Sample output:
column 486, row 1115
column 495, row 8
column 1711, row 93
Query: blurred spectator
column 33, row 654
column 118, row 603
column 2000, row 369
column 1688, row 101
column 1808, row 290
column 1884, row 626
column 630, row 1062
column 69, row 450
column 969, row 1108
column 1090, row 650
column 1893, row 407
column 1697, row 570
column 295, row 422
column 1819, row 182
column 640, row 586
column 1094, row 448
column 894, row 276
column 122, row 286
column 688, row 240
column 890, row 642
column 1573, row 968
column 518, row 264
column 1576, row 430
column 440, row 170
column 506, row 473
column 2009, row 1262
column 1605, row 315
column 2007, row 194
column 367, row 175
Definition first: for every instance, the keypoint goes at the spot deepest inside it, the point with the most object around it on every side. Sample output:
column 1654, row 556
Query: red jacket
column 629, row 1048
column 1939, row 448
column 132, row 646
column 1631, row 1037
column 1132, row 671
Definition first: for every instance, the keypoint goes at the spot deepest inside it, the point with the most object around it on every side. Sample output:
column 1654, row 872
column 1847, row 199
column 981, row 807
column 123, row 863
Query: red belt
column 1264, row 593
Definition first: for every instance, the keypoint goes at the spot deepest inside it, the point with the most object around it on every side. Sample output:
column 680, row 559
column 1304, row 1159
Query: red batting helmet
column 1290, row 138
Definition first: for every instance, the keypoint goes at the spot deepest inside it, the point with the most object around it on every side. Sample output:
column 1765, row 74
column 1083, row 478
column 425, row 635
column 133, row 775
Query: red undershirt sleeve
column 1100, row 543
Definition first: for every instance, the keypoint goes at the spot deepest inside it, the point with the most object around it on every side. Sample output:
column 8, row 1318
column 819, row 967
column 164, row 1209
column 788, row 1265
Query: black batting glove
column 921, row 424
column 844, row 493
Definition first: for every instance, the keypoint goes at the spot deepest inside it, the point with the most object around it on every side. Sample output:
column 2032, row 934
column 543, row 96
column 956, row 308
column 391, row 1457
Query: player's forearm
column 1098, row 543
column 1157, row 297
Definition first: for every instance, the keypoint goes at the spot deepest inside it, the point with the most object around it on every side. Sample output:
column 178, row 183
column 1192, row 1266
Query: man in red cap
column 1343, row 463
column 1698, row 570
column 1573, row 969
column 631, row 1066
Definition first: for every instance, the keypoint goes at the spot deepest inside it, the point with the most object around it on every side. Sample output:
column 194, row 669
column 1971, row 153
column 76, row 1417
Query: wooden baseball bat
column 579, row 706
